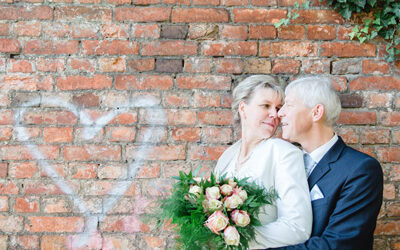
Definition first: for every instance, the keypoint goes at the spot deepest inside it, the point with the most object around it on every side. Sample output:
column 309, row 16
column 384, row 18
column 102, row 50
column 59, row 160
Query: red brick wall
column 64, row 60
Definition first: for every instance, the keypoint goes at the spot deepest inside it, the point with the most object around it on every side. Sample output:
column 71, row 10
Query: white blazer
column 278, row 164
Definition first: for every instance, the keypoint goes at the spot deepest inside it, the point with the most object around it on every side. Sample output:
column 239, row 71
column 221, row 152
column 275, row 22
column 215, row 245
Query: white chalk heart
column 91, row 128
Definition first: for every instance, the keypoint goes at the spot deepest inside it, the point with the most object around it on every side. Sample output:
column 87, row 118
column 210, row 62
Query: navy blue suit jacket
column 352, row 185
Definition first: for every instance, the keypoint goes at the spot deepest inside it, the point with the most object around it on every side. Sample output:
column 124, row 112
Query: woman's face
column 260, row 115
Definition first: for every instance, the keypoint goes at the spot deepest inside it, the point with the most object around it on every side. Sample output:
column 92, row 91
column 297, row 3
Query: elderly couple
column 329, row 194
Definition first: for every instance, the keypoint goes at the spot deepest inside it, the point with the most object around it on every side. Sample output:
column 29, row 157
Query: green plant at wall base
column 379, row 18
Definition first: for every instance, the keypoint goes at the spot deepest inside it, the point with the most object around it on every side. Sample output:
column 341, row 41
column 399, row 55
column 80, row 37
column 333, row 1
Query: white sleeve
column 294, row 213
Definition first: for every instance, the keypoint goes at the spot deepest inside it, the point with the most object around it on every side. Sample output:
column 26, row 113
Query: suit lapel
column 323, row 165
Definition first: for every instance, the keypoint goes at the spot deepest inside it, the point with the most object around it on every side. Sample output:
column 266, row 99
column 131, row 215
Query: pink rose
column 232, row 183
column 242, row 193
column 217, row 222
column 211, row 205
column 240, row 217
column 212, row 193
column 233, row 202
column 231, row 236
column 226, row 189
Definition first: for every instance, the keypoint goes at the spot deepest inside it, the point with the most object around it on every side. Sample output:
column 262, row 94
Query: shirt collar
column 318, row 153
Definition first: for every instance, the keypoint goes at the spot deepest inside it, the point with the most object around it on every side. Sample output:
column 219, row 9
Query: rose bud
column 241, row 193
column 194, row 189
column 211, row 205
column 231, row 236
column 226, row 189
column 232, row 183
column 217, row 222
column 212, row 193
column 197, row 179
column 233, row 202
column 240, row 217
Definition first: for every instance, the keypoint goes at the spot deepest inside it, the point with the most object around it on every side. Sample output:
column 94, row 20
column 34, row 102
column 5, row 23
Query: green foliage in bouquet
column 186, row 210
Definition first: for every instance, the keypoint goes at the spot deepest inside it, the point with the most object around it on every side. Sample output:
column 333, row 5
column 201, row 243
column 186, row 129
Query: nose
column 280, row 113
column 273, row 113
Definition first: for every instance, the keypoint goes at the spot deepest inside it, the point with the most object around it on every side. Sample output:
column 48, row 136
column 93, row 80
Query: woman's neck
column 249, row 142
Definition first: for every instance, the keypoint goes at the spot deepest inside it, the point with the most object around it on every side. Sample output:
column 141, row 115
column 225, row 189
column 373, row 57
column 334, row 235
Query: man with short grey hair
column 345, row 185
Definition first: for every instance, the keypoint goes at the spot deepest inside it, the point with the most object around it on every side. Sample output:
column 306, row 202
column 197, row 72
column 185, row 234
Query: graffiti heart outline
column 91, row 128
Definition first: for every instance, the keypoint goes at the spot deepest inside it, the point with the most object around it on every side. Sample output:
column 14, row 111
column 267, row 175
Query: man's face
column 296, row 118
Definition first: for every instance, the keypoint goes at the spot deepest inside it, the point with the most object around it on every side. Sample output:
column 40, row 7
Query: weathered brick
column 53, row 117
column 81, row 82
column 27, row 12
column 11, row 223
column 50, row 64
column 115, row 30
column 169, row 65
column 206, row 2
column 83, row 170
column 388, row 154
column 343, row 33
column 290, row 49
column 321, row 32
column 92, row 152
column 118, row 2
column 347, row 49
column 375, row 83
column 142, row 14
column 292, row 32
column 221, row 117
column 112, row 64
column 143, row 82
column 389, row 118
column 346, row 66
column 19, row 65
column 319, row 16
column 262, row 32
column 27, row 29
column 22, row 170
column 202, row 32
column 4, row 29
column 83, row 13
column 6, row 117
column 81, row 64
column 7, row 187
column 234, row 2
column 216, row 135
column 181, row 117
column 121, row 134
column 197, row 65
column 146, row 31
column 206, row 99
column 27, row 204
column 206, row 153
column 357, row 117
column 177, row 2
column 25, row 241
column 5, row 135
column 165, row 48
column 158, row 153
column 257, row 66
column 375, row 136
column 203, row 82
column 258, row 15
column 54, row 224
column 9, row 45
column 3, row 169
column 54, row 29
column 377, row 100
column 229, row 66
column 45, row 47
column 286, row 66
column 85, row 30
column 349, row 135
column 375, row 67
column 141, row 65
column 186, row 134
column 318, row 66
column 158, row 134
column 86, row 100
column 234, row 32
column 199, row 15
column 177, row 99
column 387, row 227
column 351, row 100
column 113, row 47
column 174, row 31
column 57, row 135
column 243, row 48
column 268, row 3
column 3, row 206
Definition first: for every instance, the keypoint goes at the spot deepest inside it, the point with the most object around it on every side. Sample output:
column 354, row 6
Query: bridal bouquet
column 216, row 213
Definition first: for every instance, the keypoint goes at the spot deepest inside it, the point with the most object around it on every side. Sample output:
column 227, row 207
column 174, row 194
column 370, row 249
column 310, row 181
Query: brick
column 177, row 2
column 234, row 32
column 257, row 66
column 141, row 65
column 267, row 3
column 54, row 29
column 54, row 224
column 346, row 66
column 286, row 66
column 11, row 224
column 206, row 2
column 319, row 66
column 181, row 117
column 206, row 99
column 9, row 45
column 389, row 191
column 142, row 14
column 169, row 48
column 351, row 100
column 243, row 48
column 234, row 2
column 349, row 135
column 375, row 83
column 229, row 66
column 6, row 117
column 146, row 31
column 262, row 32
column 50, row 65
column 146, row 2
column 394, row 173
column 169, row 65
column 7, row 187
column 158, row 153
column 129, row 224
column 258, row 15
column 197, row 65
column 321, row 32
column 46, row 47
column 113, row 47
column 83, row 13
column 396, row 136
column 186, row 134
column 343, row 33
column 158, row 134
column 3, row 204
column 163, row 187
column 50, row 242
column 216, row 135
column 92, row 153
column 27, row 29
column 113, row 171
column 50, row 117
column 21, row 170
column 389, row 118
column 202, row 32
column 28, row 12
column 26, row 204
column 199, row 15
column 347, row 49
column 375, row 67
column 119, row 2
column 292, row 32
column 11, row 152
column 393, row 209
column 357, row 117
column 290, row 3
column 3, row 63
column 375, row 136
column 86, row 100
column 3, row 169
column 387, row 154
column 377, row 100
column 174, row 31
column 115, row 30
column 4, row 29
column 25, row 241
column 203, row 82
column 19, row 65
column 387, row 228
column 289, row 49
column 121, row 134
column 206, row 153
column 57, row 135
column 5, row 134
column 177, row 99
column 318, row 16
column 81, row 82
column 55, row 205
column 81, row 64
column 222, row 117
column 142, row 82
column 110, row 64
column 83, row 170
column 85, row 30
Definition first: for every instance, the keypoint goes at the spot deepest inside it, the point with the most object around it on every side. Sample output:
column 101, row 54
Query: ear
column 242, row 107
column 318, row 112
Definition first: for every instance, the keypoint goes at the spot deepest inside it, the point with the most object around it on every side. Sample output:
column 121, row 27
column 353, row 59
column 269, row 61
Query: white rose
column 233, row 202
column 226, row 189
column 212, row 205
column 241, row 218
column 212, row 193
column 194, row 189
column 242, row 193
column 217, row 222
column 232, row 183
column 231, row 236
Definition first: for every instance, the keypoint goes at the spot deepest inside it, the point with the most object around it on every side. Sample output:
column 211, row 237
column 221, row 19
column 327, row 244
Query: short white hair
column 318, row 90
column 245, row 90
